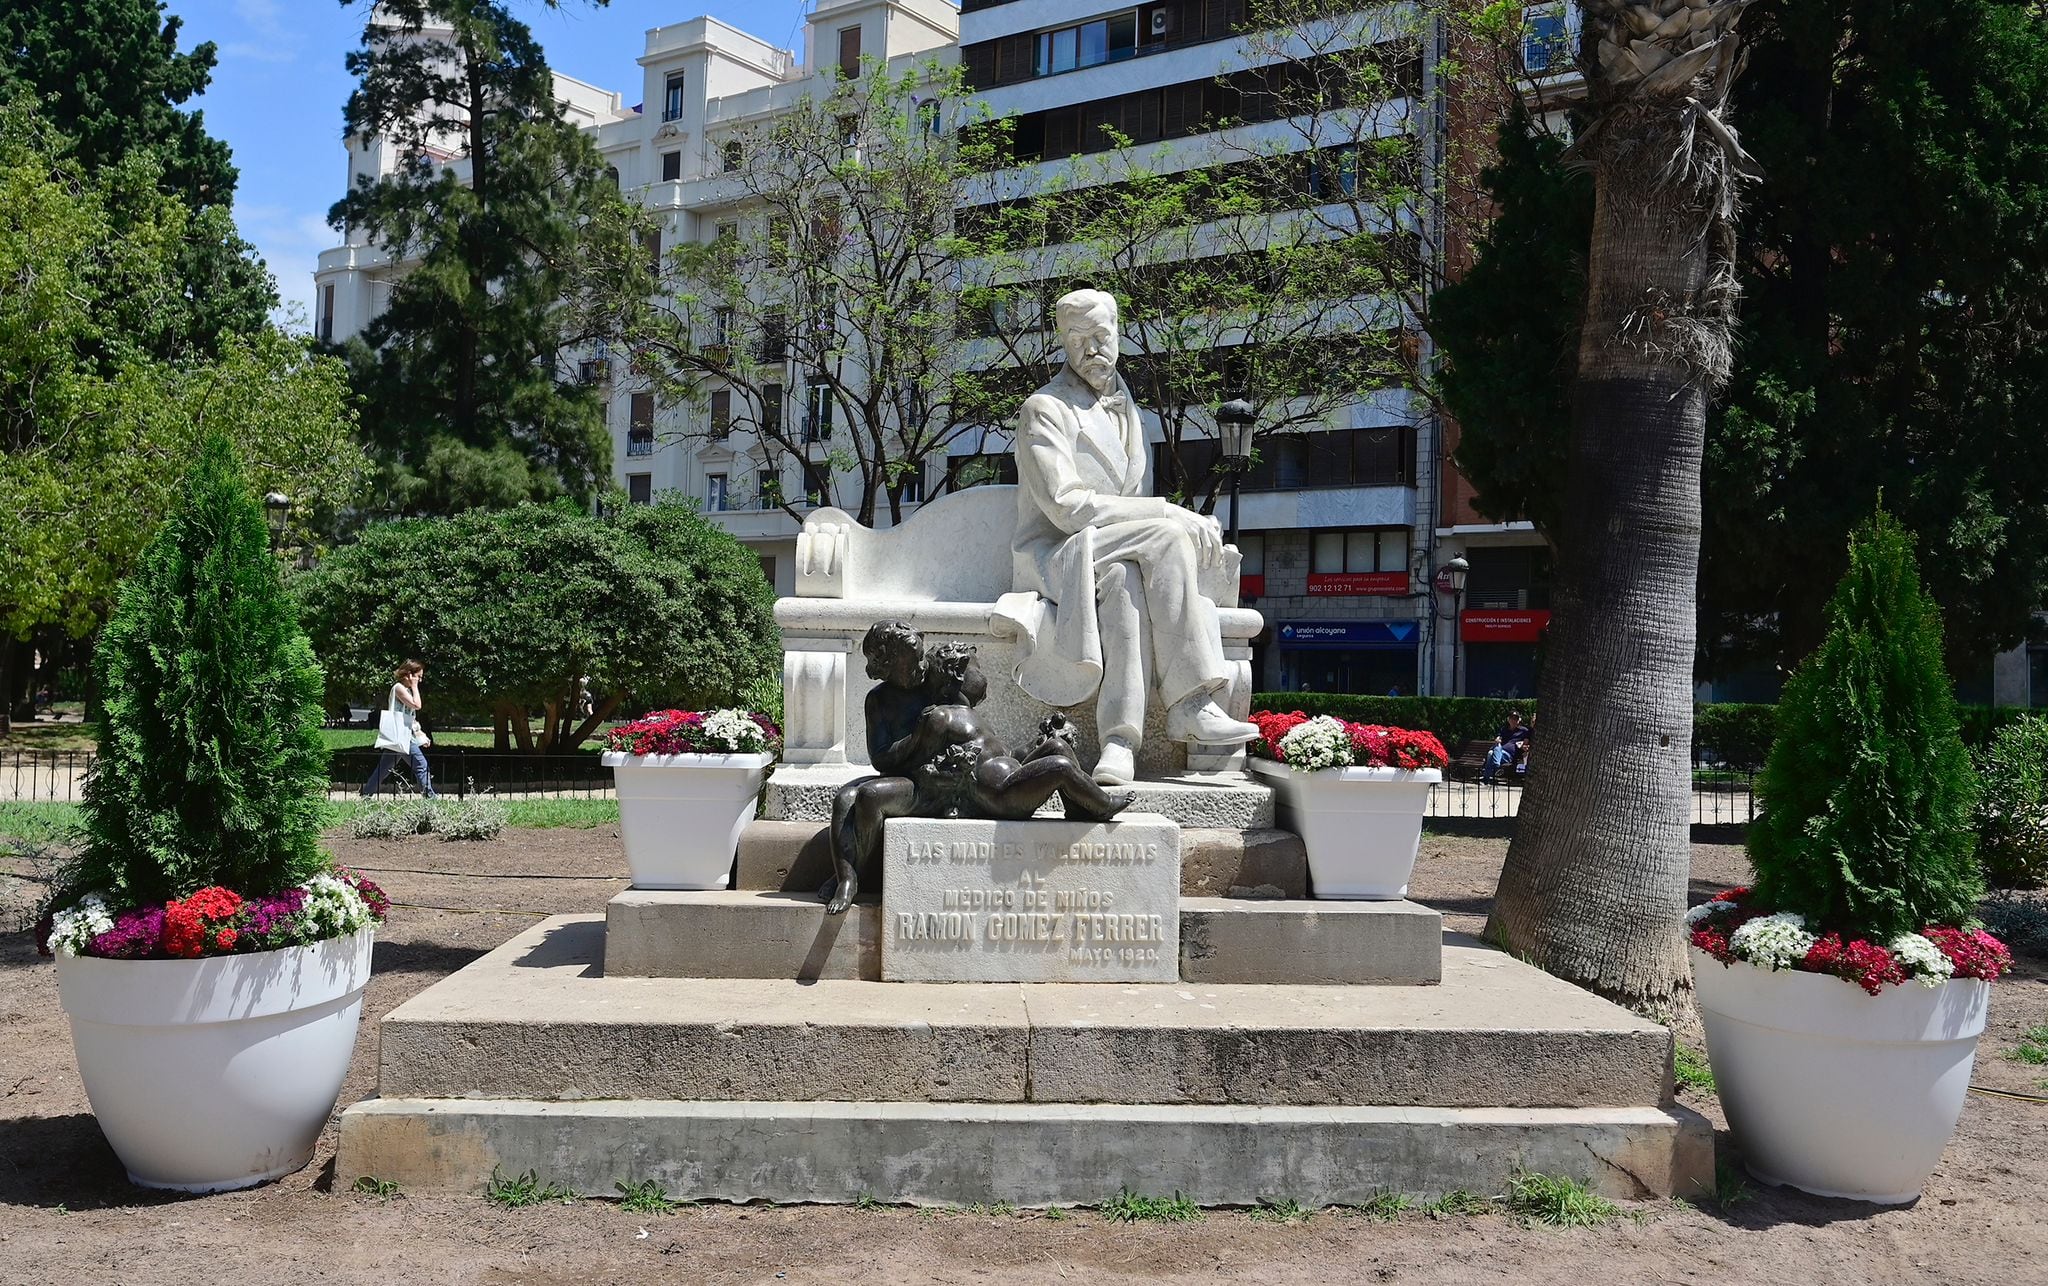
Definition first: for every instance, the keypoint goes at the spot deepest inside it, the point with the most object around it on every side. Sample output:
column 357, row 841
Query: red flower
column 1866, row 964
column 184, row 933
column 1975, row 953
column 186, row 927
column 1709, row 938
column 224, row 940
column 1272, row 727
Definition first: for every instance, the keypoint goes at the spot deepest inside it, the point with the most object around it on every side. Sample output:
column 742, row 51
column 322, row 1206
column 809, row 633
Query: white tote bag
column 394, row 728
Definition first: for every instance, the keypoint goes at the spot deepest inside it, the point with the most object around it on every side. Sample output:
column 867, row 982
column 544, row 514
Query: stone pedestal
column 1031, row 901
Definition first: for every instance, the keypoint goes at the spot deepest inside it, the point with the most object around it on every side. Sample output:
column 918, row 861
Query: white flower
column 73, row 929
column 1772, row 941
column 1322, row 742
column 1703, row 910
column 1925, row 961
column 333, row 908
column 734, row 730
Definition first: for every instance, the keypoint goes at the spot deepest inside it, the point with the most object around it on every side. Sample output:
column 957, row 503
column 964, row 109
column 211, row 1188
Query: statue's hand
column 1207, row 534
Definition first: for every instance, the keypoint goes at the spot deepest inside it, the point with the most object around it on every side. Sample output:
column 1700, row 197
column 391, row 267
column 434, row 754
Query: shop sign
column 1487, row 625
column 1358, row 583
column 1251, row 586
column 1349, row 634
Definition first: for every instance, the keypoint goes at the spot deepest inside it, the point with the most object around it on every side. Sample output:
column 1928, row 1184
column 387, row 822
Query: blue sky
column 277, row 94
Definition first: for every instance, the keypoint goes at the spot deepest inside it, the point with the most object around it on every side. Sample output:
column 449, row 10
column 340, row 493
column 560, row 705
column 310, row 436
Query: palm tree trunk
column 1595, row 883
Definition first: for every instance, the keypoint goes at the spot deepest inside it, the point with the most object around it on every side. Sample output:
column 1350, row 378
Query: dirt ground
column 67, row 1214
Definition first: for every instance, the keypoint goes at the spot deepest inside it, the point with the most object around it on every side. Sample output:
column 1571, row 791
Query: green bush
column 2012, row 811
column 509, row 608
column 1736, row 733
column 1868, row 791
column 211, row 767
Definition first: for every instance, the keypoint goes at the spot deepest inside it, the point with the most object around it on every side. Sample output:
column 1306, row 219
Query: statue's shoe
column 1116, row 766
column 1208, row 724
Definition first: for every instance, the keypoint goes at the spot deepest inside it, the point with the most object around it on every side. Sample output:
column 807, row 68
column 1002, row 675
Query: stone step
column 1228, row 800
column 751, row 934
column 796, row 857
column 1021, row 1153
column 538, row 1019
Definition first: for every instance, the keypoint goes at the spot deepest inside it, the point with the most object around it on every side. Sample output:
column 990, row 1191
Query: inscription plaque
column 1031, row 901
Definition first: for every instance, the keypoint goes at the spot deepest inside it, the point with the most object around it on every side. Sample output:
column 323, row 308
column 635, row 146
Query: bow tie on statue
column 1113, row 403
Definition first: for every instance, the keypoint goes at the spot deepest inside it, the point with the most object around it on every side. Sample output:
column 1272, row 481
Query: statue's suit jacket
column 1072, row 478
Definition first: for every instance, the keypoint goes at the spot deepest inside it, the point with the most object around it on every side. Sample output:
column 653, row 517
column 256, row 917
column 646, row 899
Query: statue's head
column 895, row 653
column 952, row 678
column 1088, row 332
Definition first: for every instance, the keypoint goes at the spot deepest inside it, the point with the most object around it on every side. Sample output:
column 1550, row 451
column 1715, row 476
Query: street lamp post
column 1234, row 423
column 277, row 508
column 1454, row 574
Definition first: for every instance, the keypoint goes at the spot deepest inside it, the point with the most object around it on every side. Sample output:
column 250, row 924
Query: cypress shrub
column 1868, row 791
column 211, row 768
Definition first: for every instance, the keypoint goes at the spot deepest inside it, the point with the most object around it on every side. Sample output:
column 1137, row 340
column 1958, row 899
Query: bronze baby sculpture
column 936, row 757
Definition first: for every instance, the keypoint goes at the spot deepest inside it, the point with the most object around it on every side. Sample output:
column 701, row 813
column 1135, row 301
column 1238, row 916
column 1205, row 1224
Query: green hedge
column 1738, row 733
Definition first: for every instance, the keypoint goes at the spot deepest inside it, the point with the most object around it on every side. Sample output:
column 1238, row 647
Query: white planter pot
column 1831, row 1089
column 681, row 815
column 1362, row 826
column 220, row 1072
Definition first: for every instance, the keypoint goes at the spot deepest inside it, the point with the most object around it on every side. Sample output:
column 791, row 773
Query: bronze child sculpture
column 937, row 758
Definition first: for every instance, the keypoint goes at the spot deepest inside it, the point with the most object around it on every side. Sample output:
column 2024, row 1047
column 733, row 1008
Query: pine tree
column 1868, row 790
column 211, row 768
column 466, row 397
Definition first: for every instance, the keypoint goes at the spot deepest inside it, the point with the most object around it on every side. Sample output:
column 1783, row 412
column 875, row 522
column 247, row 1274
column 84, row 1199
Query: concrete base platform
column 652, row 933
column 1232, row 801
column 1025, row 1154
column 796, row 857
column 538, row 1019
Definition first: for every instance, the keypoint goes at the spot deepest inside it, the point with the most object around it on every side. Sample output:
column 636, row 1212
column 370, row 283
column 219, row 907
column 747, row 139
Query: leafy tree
column 211, row 767
column 1595, row 879
column 108, row 74
column 2012, row 812
column 1868, row 791
column 509, row 608
column 821, row 324
column 1893, row 260
column 466, row 375
column 95, row 428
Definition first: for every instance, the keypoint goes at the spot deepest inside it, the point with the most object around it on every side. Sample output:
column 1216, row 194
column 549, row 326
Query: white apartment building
column 1345, row 530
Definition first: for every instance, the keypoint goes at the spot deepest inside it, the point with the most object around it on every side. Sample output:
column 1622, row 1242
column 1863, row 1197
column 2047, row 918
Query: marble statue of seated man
column 939, row 759
column 1118, row 565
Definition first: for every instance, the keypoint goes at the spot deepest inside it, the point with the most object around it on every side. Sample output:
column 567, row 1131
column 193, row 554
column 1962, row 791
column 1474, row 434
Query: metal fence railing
column 58, row 776
column 1719, row 798
column 43, row 776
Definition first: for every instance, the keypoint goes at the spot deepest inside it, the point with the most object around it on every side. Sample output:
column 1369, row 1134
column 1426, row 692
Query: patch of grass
column 524, row 1190
column 1280, row 1210
column 1133, row 1207
column 371, row 1186
column 366, row 738
column 1056, row 1214
column 1692, row 1070
column 2033, row 1047
column 1385, row 1206
column 644, row 1197
column 866, row 1201
column 478, row 818
column 1457, row 1202
column 554, row 814
column 1558, row 1201
column 402, row 815
column 1731, row 1186
column 28, row 827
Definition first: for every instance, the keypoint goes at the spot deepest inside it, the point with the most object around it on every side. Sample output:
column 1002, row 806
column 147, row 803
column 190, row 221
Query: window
column 817, row 482
column 721, row 413
column 327, row 314
column 1306, row 461
column 771, row 408
column 963, row 471
column 611, row 176
column 928, row 118
column 640, row 425
column 775, row 336
column 721, row 326
column 651, row 243
column 732, row 155
column 728, row 231
column 768, row 567
column 671, row 166
column 817, row 411
column 640, row 488
column 1337, row 552
column 1091, row 44
column 672, row 97
column 714, row 493
column 767, row 488
column 1333, row 173
column 913, row 483
column 849, row 131
column 849, row 52
column 1252, row 546
column 1547, row 41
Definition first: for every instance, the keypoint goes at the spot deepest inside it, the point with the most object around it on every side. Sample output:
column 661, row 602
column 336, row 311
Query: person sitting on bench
column 1510, row 746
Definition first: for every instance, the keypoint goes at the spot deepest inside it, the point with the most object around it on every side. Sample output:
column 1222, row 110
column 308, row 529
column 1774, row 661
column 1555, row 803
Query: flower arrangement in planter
column 210, row 956
column 1843, row 994
column 1354, row 792
column 688, row 782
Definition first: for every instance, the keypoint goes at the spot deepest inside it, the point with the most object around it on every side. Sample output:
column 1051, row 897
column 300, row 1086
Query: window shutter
column 981, row 64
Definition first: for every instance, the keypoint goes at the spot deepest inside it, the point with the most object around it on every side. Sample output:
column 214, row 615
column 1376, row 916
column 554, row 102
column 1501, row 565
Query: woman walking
column 398, row 731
